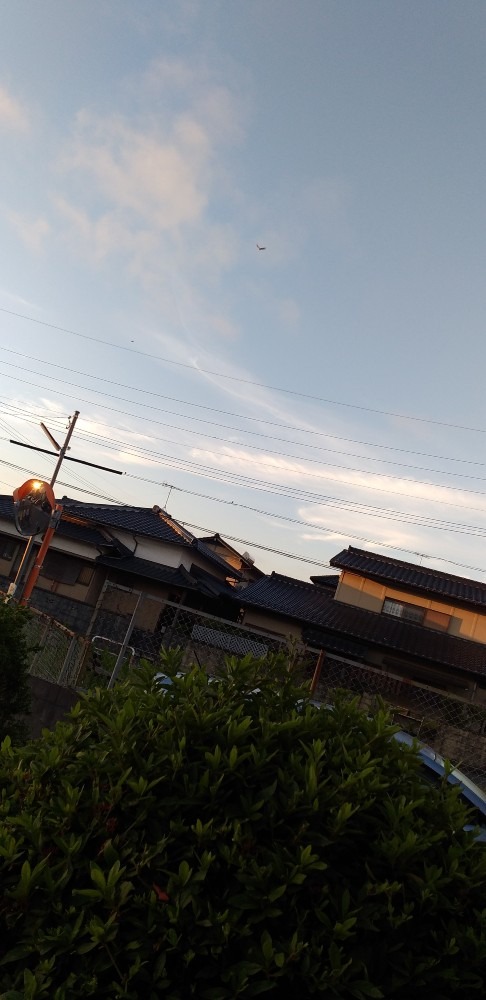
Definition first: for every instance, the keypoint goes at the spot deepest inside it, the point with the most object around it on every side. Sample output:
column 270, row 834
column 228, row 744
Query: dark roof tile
column 175, row 576
column 338, row 622
column 421, row 579
column 68, row 529
column 139, row 520
column 209, row 553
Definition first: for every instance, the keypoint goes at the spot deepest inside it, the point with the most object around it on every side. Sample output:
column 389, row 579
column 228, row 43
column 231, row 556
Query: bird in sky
column 260, row 248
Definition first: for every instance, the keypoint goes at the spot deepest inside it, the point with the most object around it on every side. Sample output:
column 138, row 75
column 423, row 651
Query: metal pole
column 317, row 671
column 39, row 559
column 123, row 649
column 17, row 588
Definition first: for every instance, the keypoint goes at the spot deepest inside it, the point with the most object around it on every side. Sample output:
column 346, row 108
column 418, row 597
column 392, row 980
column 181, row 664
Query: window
column 61, row 568
column 85, row 575
column 411, row 612
column 8, row 548
column 415, row 613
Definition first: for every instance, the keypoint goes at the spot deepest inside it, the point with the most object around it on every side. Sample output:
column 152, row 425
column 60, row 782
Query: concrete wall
column 75, row 615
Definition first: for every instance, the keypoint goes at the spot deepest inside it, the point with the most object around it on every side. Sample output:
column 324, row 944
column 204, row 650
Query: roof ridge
column 393, row 561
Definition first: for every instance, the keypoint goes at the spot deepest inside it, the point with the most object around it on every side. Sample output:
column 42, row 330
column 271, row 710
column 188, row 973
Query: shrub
column 14, row 684
column 230, row 840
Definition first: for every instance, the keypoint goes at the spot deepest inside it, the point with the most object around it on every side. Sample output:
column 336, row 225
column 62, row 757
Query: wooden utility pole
column 20, row 590
column 17, row 589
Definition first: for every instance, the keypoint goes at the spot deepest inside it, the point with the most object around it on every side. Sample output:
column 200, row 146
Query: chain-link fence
column 452, row 726
column 128, row 626
column 55, row 652
column 137, row 626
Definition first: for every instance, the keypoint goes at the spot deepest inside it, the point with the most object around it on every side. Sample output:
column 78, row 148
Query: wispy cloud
column 32, row 231
column 13, row 114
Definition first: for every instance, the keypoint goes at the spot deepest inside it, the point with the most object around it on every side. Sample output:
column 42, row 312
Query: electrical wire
column 383, row 475
column 225, row 475
column 343, row 534
column 241, row 416
column 282, row 454
column 235, row 378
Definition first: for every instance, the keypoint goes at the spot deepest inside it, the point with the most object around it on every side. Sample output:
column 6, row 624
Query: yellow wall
column 364, row 593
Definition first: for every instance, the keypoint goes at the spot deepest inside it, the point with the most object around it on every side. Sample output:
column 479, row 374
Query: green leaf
column 267, row 946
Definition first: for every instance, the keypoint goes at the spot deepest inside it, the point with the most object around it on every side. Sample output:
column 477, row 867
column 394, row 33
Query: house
column 137, row 548
column 416, row 623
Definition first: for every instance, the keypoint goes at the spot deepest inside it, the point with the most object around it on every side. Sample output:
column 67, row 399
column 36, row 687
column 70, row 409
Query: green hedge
column 216, row 843
column 14, row 663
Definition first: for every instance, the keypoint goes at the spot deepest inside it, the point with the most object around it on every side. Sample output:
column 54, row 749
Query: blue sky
column 146, row 148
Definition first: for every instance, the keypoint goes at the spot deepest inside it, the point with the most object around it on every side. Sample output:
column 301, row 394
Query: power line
column 269, row 437
column 240, row 416
column 365, row 472
column 343, row 534
column 475, row 531
column 305, row 495
column 243, row 381
column 290, row 492
column 224, row 475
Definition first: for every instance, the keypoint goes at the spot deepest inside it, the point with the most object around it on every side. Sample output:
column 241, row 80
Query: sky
column 325, row 391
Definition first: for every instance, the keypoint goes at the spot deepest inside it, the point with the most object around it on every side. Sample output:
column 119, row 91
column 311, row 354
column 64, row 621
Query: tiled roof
column 330, row 581
column 139, row 520
column 175, row 576
column 80, row 532
column 334, row 623
column 247, row 561
column 218, row 560
column 287, row 596
column 386, row 569
column 403, row 638
column 209, row 583
column 67, row 529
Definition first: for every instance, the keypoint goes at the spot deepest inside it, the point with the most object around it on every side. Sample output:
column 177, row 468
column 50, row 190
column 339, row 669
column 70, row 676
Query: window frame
column 437, row 621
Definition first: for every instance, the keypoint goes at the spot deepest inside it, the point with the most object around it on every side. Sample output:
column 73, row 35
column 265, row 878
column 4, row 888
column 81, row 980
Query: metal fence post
column 64, row 669
column 121, row 654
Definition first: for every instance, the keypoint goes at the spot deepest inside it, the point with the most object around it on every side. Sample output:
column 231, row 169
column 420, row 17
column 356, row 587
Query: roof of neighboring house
column 209, row 553
column 335, row 625
column 387, row 569
column 80, row 532
column 68, row 529
column 330, row 581
column 247, row 560
column 197, row 579
column 286, row 596
column 208, row 582
column 175, row 576
column 154, row 523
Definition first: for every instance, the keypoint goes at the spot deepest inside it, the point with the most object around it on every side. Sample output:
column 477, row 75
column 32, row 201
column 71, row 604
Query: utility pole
column 17, row 590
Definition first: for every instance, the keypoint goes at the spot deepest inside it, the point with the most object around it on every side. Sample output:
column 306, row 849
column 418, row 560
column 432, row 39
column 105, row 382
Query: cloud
column 13, row 114
column 32, row 231
column 156, row 179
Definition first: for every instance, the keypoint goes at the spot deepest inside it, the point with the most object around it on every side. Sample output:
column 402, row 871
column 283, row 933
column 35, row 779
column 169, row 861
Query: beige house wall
column 361, row 592
column 271, row 623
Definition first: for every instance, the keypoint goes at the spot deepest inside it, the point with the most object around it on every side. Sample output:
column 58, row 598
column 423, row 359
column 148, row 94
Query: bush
column 14, row 684
column 217, row 841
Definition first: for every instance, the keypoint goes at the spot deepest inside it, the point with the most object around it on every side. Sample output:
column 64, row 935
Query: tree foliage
column 230, row 840
column 14, row 685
